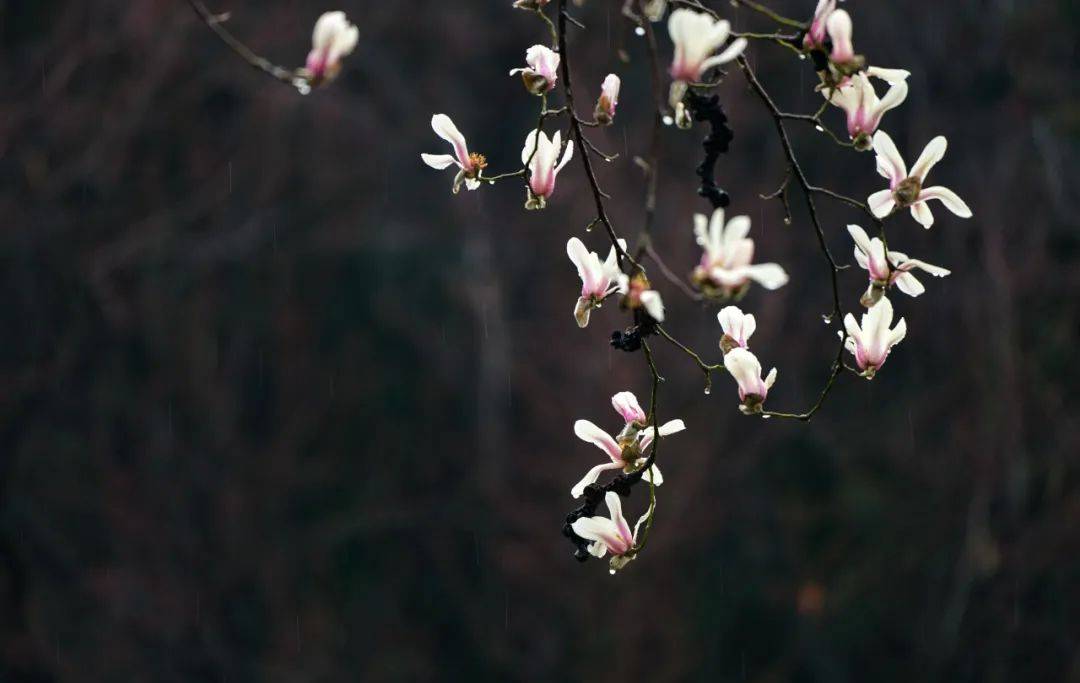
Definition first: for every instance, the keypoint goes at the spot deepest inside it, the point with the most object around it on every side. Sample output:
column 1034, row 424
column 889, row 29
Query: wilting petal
column 948, row 198
column 587, row 431
column 933, row 153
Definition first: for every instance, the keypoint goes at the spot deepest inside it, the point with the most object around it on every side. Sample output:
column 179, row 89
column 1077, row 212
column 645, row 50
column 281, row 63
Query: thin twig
column 215, row 22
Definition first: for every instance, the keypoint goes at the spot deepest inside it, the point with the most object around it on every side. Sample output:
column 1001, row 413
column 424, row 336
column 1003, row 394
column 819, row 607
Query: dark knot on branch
column 707, row 109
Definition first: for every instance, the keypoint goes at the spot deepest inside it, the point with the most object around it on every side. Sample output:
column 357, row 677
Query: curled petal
column 587, row 431
column 948, row 198
column 933, row 153
column 590, row 478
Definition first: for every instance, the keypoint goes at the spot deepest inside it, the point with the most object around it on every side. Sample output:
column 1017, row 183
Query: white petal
column 653, row 304
column 922, row 213
column 770, row 380
column 445, row 129
column 889, row 162
column 587, row 431
column 768, row 275
column 862, row 240
column 909, row 284
column 882, row 203
column 890, row 76
column 948, row 198
column 567, row 156
column 911, row 264
column 653, row 475
column 590, row 478
column 439, row 161
column 933, row 153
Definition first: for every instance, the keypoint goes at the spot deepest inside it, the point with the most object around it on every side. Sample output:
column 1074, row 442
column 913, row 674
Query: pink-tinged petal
column 933, row 153
column 853, row 330
column 922, row 214
column 626, row 405
column 445, row 129
column 909, row 284
column 582, row 259
column 889, row 162
column 439, row 161
column 587, row 431
column 737, row 325
column 839, row 27
column 948, row 198
column 882, row 203
column 599, row 529
column 626, row 537
column 878, row 264
column 591, row 477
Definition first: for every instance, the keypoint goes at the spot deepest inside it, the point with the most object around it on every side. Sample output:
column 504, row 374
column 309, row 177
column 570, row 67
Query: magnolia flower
column 333, row 38
column 609, row 99
column 863, row 108
column 610, row 535
column 654, row 9
column 540, row 76
column 888, row 267
column 738, row 328
column 871, row 343
column 907, row 190
column 726, row 263
column 746, row 369
column 696, row 37
column 598, row 280
column 627, row 450
column 541, row 155
column 471, row 165
column 815, row 36
column 639, row 294
column 840, row 29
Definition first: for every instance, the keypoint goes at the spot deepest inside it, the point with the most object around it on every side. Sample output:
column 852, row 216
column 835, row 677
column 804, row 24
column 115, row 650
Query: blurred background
column 276, row 406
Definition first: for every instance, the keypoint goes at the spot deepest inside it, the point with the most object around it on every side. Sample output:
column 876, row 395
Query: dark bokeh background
column 275, row 406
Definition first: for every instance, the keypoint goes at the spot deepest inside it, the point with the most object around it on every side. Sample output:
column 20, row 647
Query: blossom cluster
column 702, row 43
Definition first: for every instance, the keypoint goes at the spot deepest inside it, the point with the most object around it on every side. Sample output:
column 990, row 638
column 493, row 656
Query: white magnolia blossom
column 746, row 369
column 470, row 165
column 609, row 535
column 840, row 29
column 627, row 450
column 543, row 70
column 906, row 189
column 887, row 267
column 541, row 155
column 598, row 278
column 696, row 36
column 729, row 253
column 864, row 109
column 738, row 327
column 333, row 38
column 871, row 342
column 815, row 35
column 609, row 100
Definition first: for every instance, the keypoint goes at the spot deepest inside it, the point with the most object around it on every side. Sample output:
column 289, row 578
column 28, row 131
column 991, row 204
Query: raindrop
column 802, row 56
column 639, row 31
column 819, row 129
column 612, row 571
column 766, row 417
column 668, row 120
column 708, row 390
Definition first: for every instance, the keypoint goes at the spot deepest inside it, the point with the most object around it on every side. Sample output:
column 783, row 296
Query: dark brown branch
column 214, row 22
